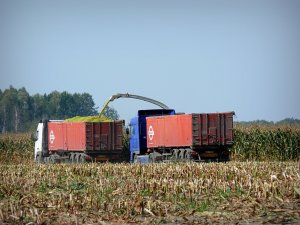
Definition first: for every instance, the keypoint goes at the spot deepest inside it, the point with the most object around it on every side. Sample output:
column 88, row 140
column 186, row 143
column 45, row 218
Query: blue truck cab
column 138, row 133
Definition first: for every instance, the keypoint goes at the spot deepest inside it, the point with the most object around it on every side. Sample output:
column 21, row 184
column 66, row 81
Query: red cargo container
column 194, row 131
column 85, row 136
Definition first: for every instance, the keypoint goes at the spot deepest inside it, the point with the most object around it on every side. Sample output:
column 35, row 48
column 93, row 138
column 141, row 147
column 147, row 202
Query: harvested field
column 183, row 193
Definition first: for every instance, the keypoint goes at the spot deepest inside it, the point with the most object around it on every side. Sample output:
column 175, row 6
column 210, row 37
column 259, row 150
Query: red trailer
column 80, row 141
column 191, row 136
column 85, row 137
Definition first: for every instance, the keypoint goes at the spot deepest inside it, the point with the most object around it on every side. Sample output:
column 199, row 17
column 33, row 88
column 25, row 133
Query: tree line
column 20, row 111
column 286, row 121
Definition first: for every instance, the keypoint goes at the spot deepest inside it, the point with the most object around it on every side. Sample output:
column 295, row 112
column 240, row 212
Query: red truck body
column 195, row 131
column 85, row 136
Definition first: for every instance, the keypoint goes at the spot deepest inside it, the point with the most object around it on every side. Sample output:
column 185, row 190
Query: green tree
column 9, row 108
column 86, row 105
column 24, row 107
column 289, row 121
column 66, row 106
column 38, row 107
column 111, row 113
column 53, row 104
column 19, row 111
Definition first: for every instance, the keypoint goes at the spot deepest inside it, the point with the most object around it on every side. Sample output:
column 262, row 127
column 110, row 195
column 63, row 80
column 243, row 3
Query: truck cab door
column 38, row 145
column 134, row 138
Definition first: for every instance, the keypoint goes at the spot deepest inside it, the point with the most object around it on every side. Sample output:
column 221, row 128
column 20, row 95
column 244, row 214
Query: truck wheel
column 182, row 154
column 72, row 158
column 224, row 155
column 188, row 155
column 77, row 158
column 46, row 160
column 174, row 154
column 69, row 160
column 135, row 159
column 151, row 158
column 52, row 159
column 177, row 154
column 39, row 158
column 82, row 158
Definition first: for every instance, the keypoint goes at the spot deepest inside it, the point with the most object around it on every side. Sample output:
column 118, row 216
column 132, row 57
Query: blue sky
column 194, row 56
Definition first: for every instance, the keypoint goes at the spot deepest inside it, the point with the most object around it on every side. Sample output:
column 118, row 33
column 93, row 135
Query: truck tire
column 182, row 154
column 175, row 154
column 82, row 158
column 72, row 158
column 77, row 157
column 52, row 159
column 188, row 154
column 39, row 158
column 224, row 158
column 151, row 158
column 135, row 156
column 46, row 160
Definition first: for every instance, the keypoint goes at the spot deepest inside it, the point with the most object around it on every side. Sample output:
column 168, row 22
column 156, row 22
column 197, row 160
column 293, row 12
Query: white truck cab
column 38, row 137
column 41, row 140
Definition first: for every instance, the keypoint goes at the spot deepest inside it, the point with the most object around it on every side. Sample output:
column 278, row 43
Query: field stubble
column 90, row 193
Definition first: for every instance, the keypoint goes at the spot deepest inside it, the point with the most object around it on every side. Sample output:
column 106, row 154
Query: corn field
column 260, row 185
column 266, row 143
column 16, row 148
column 91, row 193
column 256, row 143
